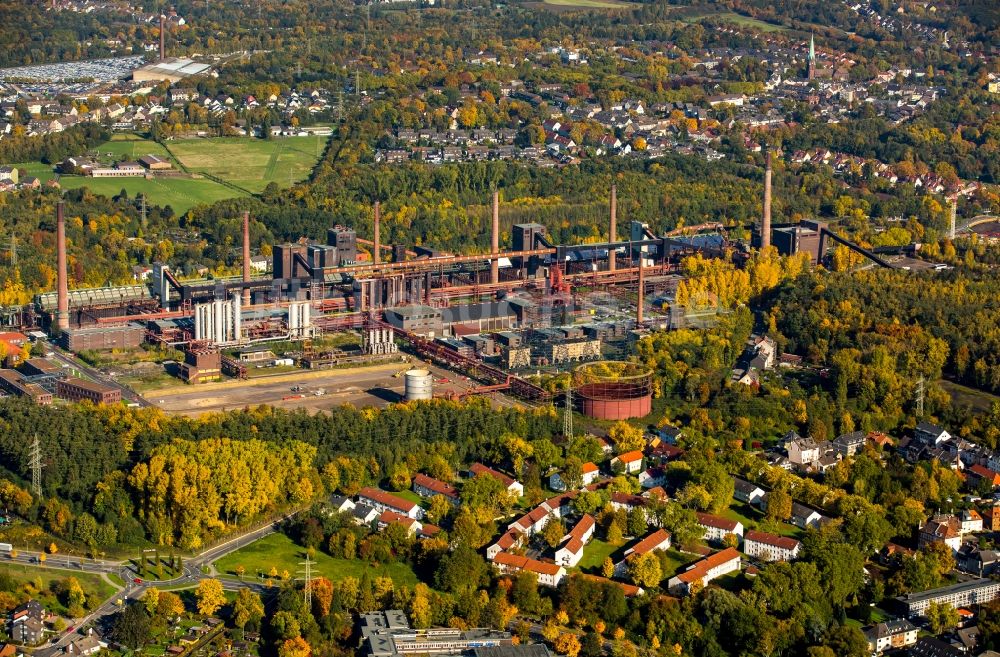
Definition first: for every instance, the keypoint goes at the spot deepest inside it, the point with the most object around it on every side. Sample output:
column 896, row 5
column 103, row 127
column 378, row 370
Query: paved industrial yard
column 362, row 386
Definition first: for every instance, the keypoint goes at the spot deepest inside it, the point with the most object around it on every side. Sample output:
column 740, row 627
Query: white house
column 770, row 547
column 804, row 451
column 803, row 517
column 890, row 635
column 513, row 486
column 717, row 528
column 383, row 501
column 631, row 462
column 570, row 553
column 744, row 491
column 549, row 574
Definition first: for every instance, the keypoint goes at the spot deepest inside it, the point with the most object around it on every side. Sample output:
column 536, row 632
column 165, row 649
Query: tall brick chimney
column 495, row 240
column 163, row 37
column 62, row 305
column 246, row 257
column 613, row 228
column 765, row 223
column 377, row 250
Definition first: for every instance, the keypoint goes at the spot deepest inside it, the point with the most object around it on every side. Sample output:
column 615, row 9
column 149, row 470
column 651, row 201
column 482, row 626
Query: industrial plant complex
column 494, row 318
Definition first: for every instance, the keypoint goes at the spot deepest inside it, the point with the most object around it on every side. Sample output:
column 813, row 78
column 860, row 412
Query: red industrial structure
column 614, row 390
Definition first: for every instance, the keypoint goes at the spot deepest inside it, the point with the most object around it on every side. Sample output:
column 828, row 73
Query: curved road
column 191, row 576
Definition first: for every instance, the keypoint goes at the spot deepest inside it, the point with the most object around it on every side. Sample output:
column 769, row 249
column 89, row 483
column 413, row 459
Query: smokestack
column 642, row 290
column 377, row 254
column 246, row 257
column 765, row 224
column 62, row 306
column 613, row 228
column 163, row 37
column 954, row 215
column 495, row 240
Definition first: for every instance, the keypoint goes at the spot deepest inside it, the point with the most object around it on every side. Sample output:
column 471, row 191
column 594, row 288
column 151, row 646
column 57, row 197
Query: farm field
column 278, row 551
column 740, row 20
column 181, row 194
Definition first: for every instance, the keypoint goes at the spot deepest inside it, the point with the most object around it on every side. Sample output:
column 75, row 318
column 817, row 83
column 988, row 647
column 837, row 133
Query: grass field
column 251, row 163
column 590, row 4
column 279, row 551
column 738, row 19
column 92, row 584
column 964, row 396
column 594, row 555
column 131, row 146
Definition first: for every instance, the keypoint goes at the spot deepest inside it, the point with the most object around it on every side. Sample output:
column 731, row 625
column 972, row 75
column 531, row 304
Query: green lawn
column 93, row 585
column 181, row 194
column 279, row 551
column 594, row 555
column 409, row 495
column 131, row 146
column 740, row 20
column 979, row 400
column 251, row 163
column 753, row 519
column 675, row 559
column 590, row 4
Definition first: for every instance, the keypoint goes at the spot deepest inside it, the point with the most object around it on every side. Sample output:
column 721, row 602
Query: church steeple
column 812, row 57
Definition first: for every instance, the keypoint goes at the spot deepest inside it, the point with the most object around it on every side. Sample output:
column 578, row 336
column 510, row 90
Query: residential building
column 717, row 528
column 744, row 491
column 971, row 521
column 28, row 632
column 513, row 486
column 941, row 529
column 890, row 635
column 364, row 514
column 652, row 477
column 770, row 547
column 570, row 552
column 549, row 574
column 657, row 540
column 963, row 594
column 849, row 444
column 929, row 646
column 979, row 477
column 630, row 462
column 383, row 501
column 704, row 571
column 981, row 563
column 804, row 452
column 341, row 504
column 84, row 646
column 930, row 434
column 507, row 540
column 426, row 486
column 803, row 517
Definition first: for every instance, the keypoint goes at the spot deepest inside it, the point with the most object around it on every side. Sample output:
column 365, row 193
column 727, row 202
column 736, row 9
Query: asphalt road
column 133, row 591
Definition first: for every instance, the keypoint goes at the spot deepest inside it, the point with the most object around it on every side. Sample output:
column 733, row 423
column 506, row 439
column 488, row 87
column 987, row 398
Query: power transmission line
column 568, row 415
column 307, row 577
column 35, row 463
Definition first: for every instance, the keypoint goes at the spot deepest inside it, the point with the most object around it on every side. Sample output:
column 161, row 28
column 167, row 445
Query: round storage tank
column 418, row 384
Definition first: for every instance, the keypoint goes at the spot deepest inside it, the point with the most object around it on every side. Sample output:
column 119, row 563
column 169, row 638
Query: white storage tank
column 418, row 384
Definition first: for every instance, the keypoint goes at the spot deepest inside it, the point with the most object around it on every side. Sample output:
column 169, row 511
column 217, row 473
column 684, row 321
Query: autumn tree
column 209, row 596
column 248, row 609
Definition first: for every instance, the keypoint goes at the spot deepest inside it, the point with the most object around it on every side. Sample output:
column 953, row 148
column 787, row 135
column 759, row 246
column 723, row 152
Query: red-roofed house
column 392, row 518
column 590, row 473
column 657, row 540
column 770, row 547
column 506, row 541
column 977, row 474
column 704, row 571
column 425, row 486
column 631, row 462
column 512, row 485
column 549, row 574
column 716, row 527
column 383, row 501
column 572, row 550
